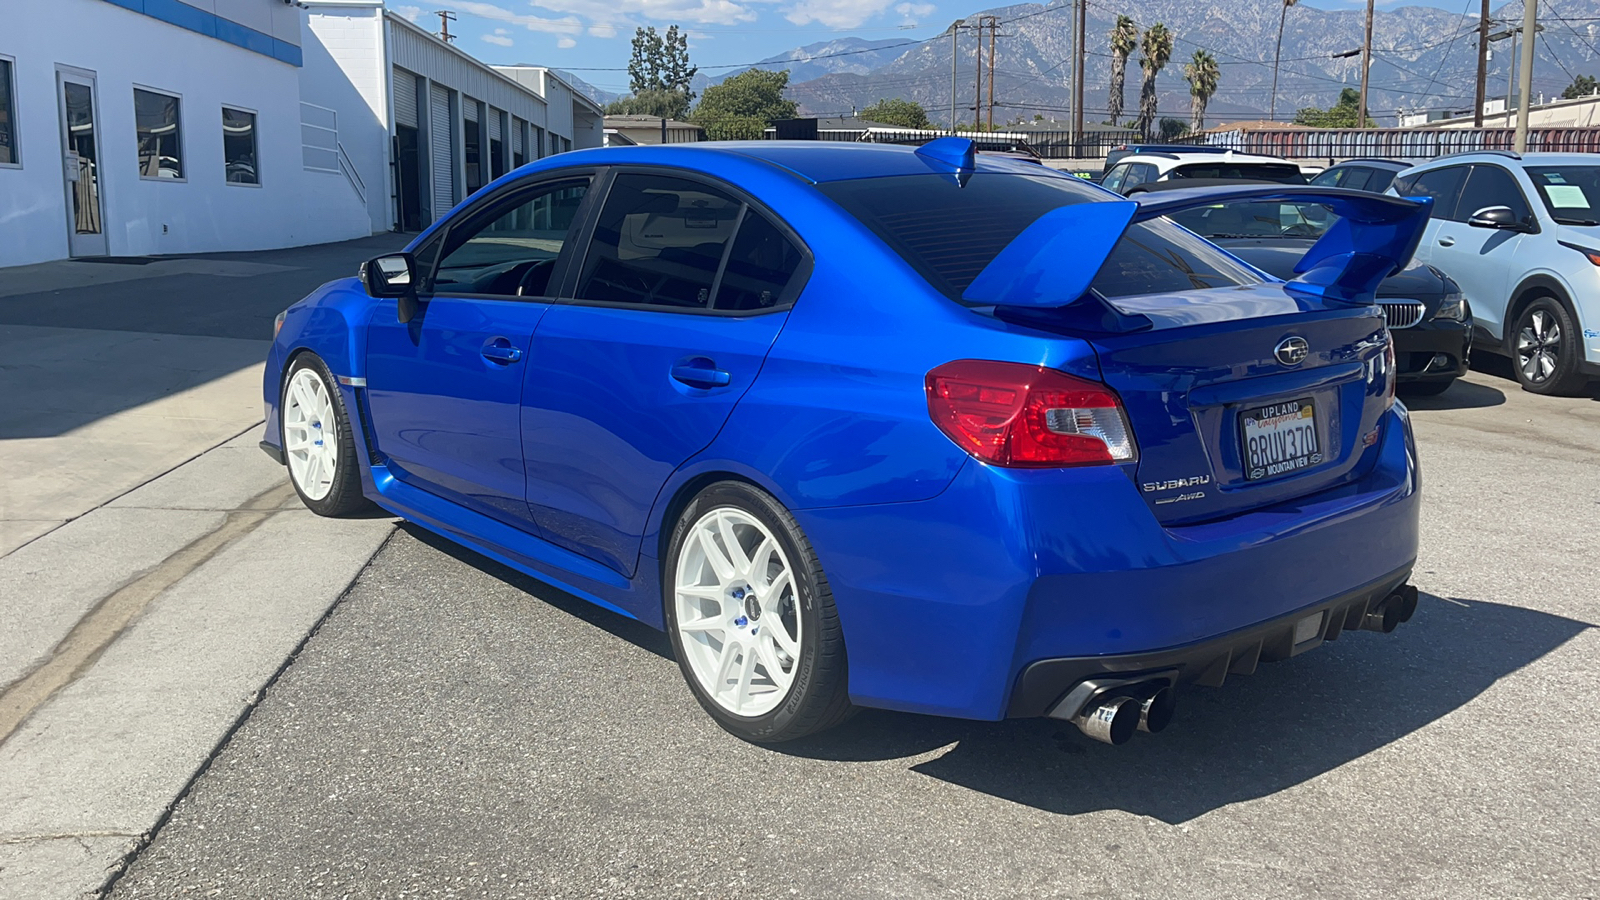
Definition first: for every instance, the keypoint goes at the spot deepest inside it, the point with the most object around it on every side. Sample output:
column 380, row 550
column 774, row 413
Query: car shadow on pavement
column 631, row 630
column 1461, row 395
column 1256, row 736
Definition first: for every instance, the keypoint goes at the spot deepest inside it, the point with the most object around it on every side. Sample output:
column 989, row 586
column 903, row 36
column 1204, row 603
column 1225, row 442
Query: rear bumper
column 1415, row 350
column 1208, row 662
column 945, row 603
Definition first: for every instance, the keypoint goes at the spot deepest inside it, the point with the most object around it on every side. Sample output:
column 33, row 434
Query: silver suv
column 1521, row 236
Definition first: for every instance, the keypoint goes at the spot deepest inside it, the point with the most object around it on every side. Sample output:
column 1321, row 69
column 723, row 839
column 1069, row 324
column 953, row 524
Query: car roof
column 1512, row 160
column 1395, row 164
column 1166, row 160
column 815, row 161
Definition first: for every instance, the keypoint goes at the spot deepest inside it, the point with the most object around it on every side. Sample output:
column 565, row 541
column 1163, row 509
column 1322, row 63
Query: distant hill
column 843, row 55
column 587, row 89
column 1424, row 58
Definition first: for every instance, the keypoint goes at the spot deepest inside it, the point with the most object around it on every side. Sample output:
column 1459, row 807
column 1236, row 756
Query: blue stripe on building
column 187, row 17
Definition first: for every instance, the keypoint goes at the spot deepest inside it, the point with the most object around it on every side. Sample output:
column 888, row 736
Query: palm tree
column 1124, row 38
column 1202, row 74
column 1157, row 50
column 1276, row 55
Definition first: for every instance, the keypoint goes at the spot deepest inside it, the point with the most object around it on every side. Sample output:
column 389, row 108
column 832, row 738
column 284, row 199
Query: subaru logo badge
column 1292, row 351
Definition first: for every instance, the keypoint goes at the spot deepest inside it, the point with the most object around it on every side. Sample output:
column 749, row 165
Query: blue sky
column 591, row 34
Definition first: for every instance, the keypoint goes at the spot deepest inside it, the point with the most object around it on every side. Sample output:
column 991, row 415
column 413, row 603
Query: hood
column 1278, row 257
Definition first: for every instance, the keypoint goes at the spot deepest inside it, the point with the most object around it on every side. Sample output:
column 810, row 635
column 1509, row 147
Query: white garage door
column 441, row 134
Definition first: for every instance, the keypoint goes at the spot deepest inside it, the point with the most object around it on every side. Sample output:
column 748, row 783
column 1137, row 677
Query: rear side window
column 1282, row 173
column 759, row 267
column 1443, row 185
column 1329, row 177
column 659, row 242
column 1357, row 178
column 1113, row 179
column 1381, row 179
column 950, row 233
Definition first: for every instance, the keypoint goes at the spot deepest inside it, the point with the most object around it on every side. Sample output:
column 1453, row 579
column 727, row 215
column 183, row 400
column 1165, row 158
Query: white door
column 75, row 93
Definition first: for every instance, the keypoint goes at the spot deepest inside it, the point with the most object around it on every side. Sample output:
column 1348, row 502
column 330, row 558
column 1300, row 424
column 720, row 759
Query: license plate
column 1279, row 439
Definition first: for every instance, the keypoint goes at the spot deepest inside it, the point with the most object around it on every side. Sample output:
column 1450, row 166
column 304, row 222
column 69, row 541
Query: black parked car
column 1372, row 175
column 1430, row 320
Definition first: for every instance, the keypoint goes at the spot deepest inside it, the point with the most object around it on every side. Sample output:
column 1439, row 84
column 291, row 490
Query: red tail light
column 1012, row 414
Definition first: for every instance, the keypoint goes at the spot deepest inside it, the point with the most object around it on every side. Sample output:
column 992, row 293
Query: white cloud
column 566, row 43
column 499, row 38
column 567, row 25
column 409, row 13
column 914, row 10
column 700, row 12
column 605, row 30
column 835, row 13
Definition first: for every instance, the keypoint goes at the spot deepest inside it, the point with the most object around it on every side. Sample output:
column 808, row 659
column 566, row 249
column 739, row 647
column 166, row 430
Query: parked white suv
column 1147, row 166
column 1521, row 236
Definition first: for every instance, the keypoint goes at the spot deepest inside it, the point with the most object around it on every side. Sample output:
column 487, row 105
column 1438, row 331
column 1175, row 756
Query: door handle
column 1447, row 242
column 499, row 349
column 700, row 372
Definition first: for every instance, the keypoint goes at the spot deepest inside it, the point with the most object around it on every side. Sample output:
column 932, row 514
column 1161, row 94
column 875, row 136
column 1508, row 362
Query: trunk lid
column 1209, row 360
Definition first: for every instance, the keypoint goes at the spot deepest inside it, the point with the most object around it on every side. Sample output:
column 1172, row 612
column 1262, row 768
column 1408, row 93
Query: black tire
column 1424, row 388
column 1557, row 343
column 818, row 697
column 344, row 497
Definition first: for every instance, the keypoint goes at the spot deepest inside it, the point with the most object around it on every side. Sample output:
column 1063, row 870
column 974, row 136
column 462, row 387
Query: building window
column 239, row 146
column 160, row 134
column 8, row 117
column 472, row 144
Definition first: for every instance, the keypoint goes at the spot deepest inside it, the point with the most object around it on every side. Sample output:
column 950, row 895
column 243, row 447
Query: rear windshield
column 1281, row 173
column 949, row 233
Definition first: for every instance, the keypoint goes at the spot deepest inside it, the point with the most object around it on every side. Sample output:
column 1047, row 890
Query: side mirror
column 393, row 275
column 1497, row 217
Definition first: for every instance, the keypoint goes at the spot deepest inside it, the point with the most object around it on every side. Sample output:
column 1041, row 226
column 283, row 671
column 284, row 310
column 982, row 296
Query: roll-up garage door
column 405, row 98
column 494, row 123
column 441, row 132
column 469, row 109
column 516, row 135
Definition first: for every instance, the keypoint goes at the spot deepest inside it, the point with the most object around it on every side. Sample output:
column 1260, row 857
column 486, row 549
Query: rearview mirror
column 393, row 275
column 1498, row 217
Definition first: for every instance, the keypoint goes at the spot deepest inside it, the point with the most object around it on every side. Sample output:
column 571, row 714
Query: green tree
column 665, row 104
column 1156, row 50
column 1124, row 39
column 905, row 113
column 1582, row 86
column 1202, row 74
column 742, row 107
column 1344, row 114
column 661, row 62
column 1170, row 129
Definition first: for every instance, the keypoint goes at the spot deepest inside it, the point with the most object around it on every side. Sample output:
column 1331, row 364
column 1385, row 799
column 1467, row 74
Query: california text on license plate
column 1280, row 438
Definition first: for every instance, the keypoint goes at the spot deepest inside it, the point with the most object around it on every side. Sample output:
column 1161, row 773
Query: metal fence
column 1400, row 143
column 1043, row 144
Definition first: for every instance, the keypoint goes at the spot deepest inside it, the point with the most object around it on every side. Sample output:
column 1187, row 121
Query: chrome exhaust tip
column 1155, row 711
column 1112, row 720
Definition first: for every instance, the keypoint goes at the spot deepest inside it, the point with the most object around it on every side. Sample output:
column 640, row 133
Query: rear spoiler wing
column 1050, row 265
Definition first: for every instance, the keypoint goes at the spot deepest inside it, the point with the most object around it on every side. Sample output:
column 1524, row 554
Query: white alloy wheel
column 310, row 434
column 737, row 619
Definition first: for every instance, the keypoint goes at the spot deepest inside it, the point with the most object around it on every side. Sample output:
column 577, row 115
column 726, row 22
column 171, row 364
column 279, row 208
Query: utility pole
column 955, row 30
column 1483, row 66
column 1366, row 67
column 1530, row 31
column 1080, row 49
column 994, row 25
column 977, row 94
column 1283, row 17
column 445, row 18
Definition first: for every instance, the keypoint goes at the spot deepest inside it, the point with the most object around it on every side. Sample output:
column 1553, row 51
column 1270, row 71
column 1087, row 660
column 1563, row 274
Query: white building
column 150, row 127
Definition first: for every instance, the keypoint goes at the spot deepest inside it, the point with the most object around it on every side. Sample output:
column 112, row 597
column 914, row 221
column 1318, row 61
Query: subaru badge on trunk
column 1292, row 351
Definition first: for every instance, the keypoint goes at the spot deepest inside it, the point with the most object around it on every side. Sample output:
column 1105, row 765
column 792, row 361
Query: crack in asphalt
column 97, row 630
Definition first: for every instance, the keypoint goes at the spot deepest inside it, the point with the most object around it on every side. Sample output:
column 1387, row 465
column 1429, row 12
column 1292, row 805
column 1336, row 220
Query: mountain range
column 1423, row 58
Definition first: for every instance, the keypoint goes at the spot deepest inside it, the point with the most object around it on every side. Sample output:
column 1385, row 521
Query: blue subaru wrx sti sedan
column 872, row 426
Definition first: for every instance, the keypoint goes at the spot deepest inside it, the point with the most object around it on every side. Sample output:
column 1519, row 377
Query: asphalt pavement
column 454, row 729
